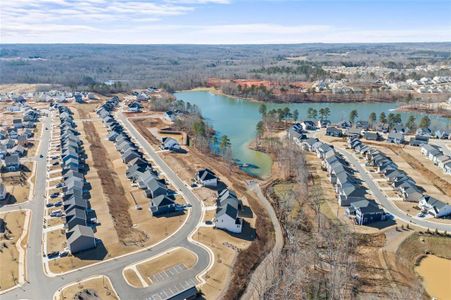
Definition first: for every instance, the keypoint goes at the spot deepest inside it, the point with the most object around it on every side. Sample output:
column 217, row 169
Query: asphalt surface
column 388, row 205
column 40, row 286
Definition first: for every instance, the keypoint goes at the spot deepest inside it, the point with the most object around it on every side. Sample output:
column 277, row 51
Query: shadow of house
column 247, row 232
column 98, row 253
column 246, row 212
column 10, row 199
column 382, row 224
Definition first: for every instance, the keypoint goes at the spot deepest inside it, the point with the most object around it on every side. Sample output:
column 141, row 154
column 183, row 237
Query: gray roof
column 80, row 231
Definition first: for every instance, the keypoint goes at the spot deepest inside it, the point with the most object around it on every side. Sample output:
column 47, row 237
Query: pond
column 436, row 274
column 237, row 118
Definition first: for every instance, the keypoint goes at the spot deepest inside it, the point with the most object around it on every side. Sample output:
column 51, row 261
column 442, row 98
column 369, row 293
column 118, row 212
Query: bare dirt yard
column 9, row 255
column 93, row 288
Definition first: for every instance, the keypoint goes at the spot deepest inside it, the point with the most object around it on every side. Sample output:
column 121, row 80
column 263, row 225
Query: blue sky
column 223, row 21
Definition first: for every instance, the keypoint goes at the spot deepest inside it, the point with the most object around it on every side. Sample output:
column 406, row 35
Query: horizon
column 224, row 22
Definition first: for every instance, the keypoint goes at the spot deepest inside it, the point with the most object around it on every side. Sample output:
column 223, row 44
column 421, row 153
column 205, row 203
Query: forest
column 186, row 66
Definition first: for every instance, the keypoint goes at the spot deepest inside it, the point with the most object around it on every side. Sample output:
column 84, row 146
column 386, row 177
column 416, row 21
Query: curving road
column 40, row 286
column 385, row 202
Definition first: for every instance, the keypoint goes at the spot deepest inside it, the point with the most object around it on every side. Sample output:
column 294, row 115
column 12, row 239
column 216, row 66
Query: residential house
column 227, row 215
column 426, row 132
column 155, row 188
column 349, row 193
column 418, row 140
column 365, row 212
column 11, row 163
column 323, row 123
column 396, row 137
column 333, row 131
column 162, row 204
column 362, row 124
column 307, row 144
column 308, row 125
column 207, row 178
column 80, row 238
column 168, row 143
column 371, row 136
column 76, row 216
column 353, row 131
column 435, row 207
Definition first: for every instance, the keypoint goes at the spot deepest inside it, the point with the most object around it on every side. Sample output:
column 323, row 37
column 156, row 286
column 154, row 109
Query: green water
column 237, row 119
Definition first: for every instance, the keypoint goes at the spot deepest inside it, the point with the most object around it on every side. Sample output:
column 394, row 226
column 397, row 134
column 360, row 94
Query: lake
column 436, row 274
column 237, row 118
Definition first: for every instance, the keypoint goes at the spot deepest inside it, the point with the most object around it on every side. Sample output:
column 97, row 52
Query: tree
column 295, row 115
column 382, row 118
column 262, row 109
column 326, row 112
column 321, row 113
column 425, row 122
column 312, row 113
column 353, row 115
column 372, row 118
column 224, row 143
column 260, row 130
column 410, row 124
column 286, row 113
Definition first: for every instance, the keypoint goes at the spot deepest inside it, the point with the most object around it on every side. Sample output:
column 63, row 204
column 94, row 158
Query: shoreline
column 216, row 91
column 426, row 109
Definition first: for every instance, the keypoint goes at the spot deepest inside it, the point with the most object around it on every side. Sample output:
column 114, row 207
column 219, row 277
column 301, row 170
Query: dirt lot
column 186, row 165
column 101, row 285
column 17, row 186
column 9, row 254
column 171, row 258
column 114, row 200
column 56, row 240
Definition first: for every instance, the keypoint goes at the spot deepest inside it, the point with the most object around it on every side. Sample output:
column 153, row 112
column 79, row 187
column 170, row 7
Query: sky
column 224, row 21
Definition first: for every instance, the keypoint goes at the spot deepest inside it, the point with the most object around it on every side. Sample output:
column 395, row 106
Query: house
column 206, row 177
column 324, row 150
column 3, row 192
column 162, row 204
column 344, row 124
column 227, row 218
column 323, row 123
column 76, row 216
column 80, row 238
column 441, row 134
column 17, row 123
column 418, row 140
column 365, row 212
column 333, row 131
column 307, row 144
column 349, row 193
column 426, row 132
column 362, row 124
column 11, row 163
column 395, row 137
column 354, row 132
column 410, row 193
column 170, row 116
column 308, row 125
column 435, row 207
column 134, row 107
column 372, row 136
column 155, row 188
column 129, row 155
column 168, row 143
column 427, row 149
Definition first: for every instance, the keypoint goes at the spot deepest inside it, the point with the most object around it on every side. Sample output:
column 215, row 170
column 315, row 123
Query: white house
column 435, row 207
column 227, row 218
column 206, row 177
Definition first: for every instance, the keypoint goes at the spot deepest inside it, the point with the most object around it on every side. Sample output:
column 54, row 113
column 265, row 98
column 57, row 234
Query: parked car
column 64, row 253
column 56, row 163
column 60, row 185
column 49, row 204
column 56, row 214
column 58, row 204
column 54, row 195
column 53, row 254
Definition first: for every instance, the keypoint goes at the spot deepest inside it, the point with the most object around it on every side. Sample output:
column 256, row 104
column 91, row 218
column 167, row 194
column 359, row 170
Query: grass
column 132, row 278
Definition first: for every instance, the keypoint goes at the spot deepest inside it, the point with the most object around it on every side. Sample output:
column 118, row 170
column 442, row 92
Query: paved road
column 385, row 202
column 40, row 286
